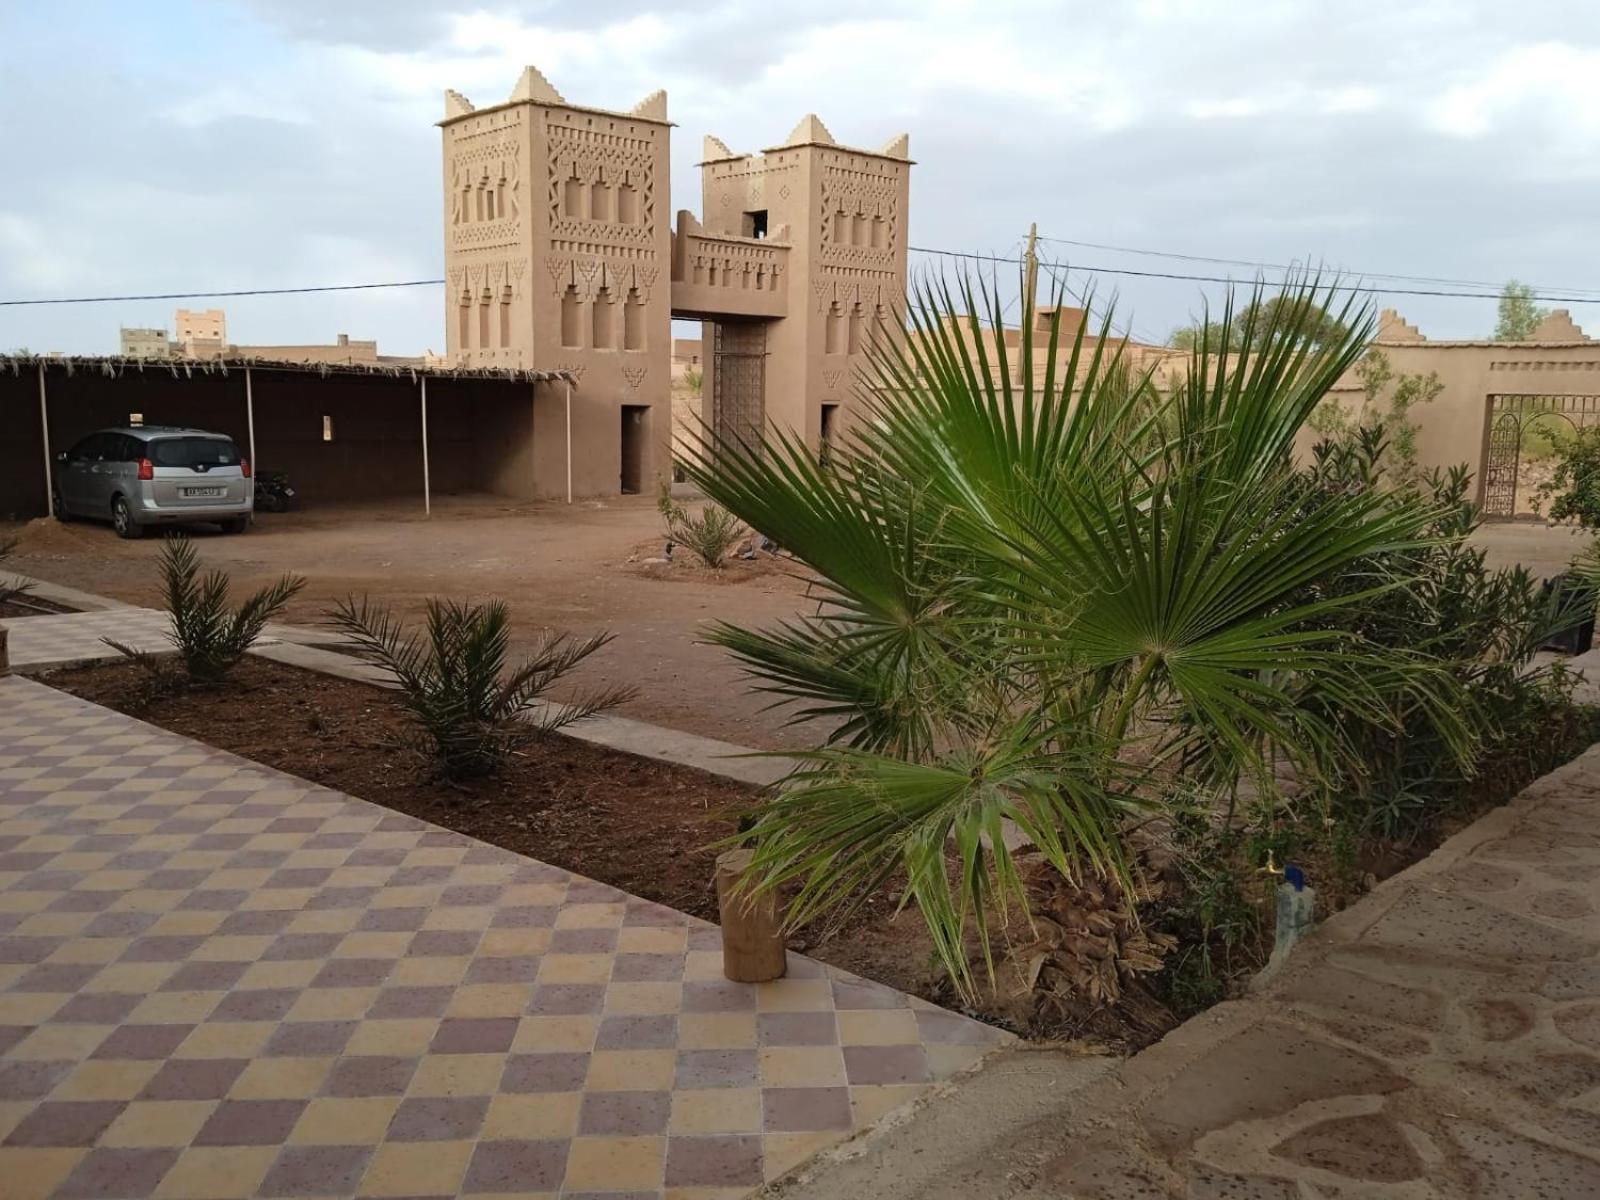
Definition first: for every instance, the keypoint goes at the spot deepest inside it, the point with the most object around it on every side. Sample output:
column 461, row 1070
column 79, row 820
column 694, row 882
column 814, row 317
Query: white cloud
column 1551, row 86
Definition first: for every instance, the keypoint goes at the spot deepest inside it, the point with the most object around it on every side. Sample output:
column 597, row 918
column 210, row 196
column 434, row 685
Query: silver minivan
column 144, row 475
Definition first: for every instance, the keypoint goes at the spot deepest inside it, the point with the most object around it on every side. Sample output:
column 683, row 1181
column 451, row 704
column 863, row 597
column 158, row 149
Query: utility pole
column 1030, row 261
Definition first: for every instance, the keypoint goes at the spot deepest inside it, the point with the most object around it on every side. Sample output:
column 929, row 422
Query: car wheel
column 122, row 520
column 236, row 525
column 58, row 507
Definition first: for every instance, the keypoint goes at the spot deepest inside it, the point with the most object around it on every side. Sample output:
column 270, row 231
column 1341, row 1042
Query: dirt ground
column 556, row 566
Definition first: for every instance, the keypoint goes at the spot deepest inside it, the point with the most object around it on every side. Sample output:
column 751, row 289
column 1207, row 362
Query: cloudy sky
column 172, row 146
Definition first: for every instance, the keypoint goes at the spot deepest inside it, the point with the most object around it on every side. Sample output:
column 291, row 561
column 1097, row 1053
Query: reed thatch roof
column 116, row 365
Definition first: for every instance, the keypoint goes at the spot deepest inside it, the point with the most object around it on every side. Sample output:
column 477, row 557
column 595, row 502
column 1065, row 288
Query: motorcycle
column 273, row 493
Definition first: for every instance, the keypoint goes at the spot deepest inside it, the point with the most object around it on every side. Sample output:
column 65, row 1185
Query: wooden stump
column 752, row 934
column 5, row 654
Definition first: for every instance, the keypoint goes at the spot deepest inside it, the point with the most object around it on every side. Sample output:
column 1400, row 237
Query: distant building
column 145, row 343
column 202, row 333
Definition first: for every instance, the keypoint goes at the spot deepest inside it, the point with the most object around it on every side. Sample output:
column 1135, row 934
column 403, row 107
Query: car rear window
column 194, row 452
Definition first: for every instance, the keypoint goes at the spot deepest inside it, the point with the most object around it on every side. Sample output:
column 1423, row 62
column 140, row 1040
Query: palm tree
column 1058, row 602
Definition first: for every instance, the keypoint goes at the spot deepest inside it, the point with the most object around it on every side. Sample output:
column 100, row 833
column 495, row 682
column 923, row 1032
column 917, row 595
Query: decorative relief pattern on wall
column 601, row 191
column 486, row 183
column 591, row 276
column 634, row 374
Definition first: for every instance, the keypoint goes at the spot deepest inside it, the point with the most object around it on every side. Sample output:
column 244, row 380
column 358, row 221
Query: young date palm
column 1058, row 601
column 453, row 678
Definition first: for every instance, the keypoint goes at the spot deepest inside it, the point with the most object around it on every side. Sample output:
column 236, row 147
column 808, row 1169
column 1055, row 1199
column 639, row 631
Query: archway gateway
column 1510, row 417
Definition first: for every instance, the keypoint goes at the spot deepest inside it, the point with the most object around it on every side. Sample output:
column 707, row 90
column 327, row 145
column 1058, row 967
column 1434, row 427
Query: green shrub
column 453, row 679
column 711, row 535
column 210, row 638
column 1574, row 486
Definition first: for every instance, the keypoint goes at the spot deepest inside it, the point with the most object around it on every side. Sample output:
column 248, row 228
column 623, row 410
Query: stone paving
column 217, row 980
column 80, row 637
column 1438, row 1040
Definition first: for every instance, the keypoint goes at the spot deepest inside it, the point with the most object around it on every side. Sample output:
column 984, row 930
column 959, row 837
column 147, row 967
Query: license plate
column 197, row 493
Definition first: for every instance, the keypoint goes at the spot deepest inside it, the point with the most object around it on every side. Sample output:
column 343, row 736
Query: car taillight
column 147, row 469
column 244, row 465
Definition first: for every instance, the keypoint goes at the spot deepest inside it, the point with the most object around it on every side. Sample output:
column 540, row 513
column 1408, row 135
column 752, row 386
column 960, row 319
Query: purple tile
column 261, row 1004
column 444, row 943
column 643, row 913
column 317, row 1171
column 299, row 947
column 255, row 923
column 948, row 1028
column 411, row 1002
column 250, row 1123
column 716, row 1068
column 437, row 1118
column 588, row 891
column 720, row 1160
column 392, row 920
column 796, row 1029
column 516, row 1167
column 10, row 1035
column 89, row 902
column 214, row 900
column 106, row 1173
column 340, row 897
column 32, row 1080
column 525, row 917
column 625, row 1114
column 161, row 948
column 369, row 1075
column 647, row 968
column 194, row 1079
column 471, row 895
column 417, row 876
column 65, row 1123
column 96, row 1008
column 474, row 1035
column 353, row 972
column 56, row 977
column 309, row 1039
column 146, row 1042
column 568, row 999
column 718, row 995
column 120, row 924
column 205, row 977
column 555, row 1072
column 885, row 1064
column 28, row 949
column 637, row 1033
column 805, row 1110
column 860, row 994
column 509, row 969
column 583, row 941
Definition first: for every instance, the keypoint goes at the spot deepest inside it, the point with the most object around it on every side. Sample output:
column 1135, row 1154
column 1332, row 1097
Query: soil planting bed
column 636, row 823
column 31, row 606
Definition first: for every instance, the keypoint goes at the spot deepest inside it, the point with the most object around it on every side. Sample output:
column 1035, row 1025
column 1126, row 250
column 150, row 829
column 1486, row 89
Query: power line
column 1246, row 262
column 292, row 291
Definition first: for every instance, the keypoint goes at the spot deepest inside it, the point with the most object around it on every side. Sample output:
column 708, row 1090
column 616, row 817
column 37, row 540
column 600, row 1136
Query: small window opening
column 327, row 428
column 755, row 224
column 135, row 418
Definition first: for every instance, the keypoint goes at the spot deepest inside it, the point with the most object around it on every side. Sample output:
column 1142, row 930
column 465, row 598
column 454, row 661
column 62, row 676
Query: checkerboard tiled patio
column 217, row 980
column 79, row 637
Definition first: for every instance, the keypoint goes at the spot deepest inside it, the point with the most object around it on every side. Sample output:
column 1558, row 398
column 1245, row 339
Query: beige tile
column 31, row 1174
column 716, row 1031
column 794, row 995
column 630, row 1070
column 280, row 974
column 506, row 943
column 546, row 1115
column 786, row 1151
column 29, row 1008
column 647, row 939
column 458, row 1075
column 418, row 896
column 344, row 1122
column 802, row 1066
column 947, row 1060
column 393, row 1037
column 158, row 1123
column 233, row 947
column 537, row 1034
column 175, row 1008
column 417, row 1168
column 879, row 1027
column 105, row 1079
column 575, row 968
column 91, row 950
column 61, row 1042
column 429, row 972
column 281, row 1079
column 490, row 1000
column 459, row 918
column 871, row 1102
column 716, row 1110
column 189, row 924
column 363, row 944
column 533, row 895
column 643, row 998
column 11, row 1115
column 705, row 1193
column 217, row 1173
column 590, row 916
column 700, row 965
column 325, row 920
column 55, row 924
column 226, row 1039
column 131, row 978
column 333, row 1004
column 615, row 1164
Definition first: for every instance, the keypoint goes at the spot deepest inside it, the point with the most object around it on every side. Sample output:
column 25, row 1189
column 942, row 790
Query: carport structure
column 339, row 431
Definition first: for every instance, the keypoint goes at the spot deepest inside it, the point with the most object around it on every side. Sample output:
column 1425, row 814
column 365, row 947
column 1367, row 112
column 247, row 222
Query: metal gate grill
column 1510, row 417
column 739, row 382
